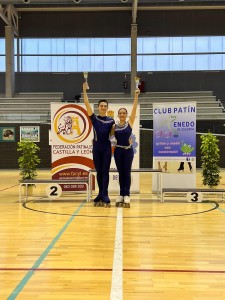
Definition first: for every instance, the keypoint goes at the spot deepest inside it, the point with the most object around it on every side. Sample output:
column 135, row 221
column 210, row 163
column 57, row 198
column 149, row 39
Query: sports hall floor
column 68, row 249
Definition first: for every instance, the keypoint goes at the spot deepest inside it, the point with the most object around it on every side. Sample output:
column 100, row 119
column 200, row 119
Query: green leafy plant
column 29, row 160
column 210, row 155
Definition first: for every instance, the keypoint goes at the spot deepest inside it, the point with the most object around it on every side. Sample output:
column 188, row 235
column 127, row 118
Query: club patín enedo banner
column 174, row 143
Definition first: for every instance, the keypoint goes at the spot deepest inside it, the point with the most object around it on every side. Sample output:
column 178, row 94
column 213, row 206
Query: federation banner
column 71, row 143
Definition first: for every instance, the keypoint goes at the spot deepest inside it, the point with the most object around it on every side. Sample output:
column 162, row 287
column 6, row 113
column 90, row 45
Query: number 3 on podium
column 194, row 197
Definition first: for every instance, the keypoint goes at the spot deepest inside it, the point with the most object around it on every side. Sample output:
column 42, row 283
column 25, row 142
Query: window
column 181, row 53
column 75, row 55
column 113, row 54
column 2, row 55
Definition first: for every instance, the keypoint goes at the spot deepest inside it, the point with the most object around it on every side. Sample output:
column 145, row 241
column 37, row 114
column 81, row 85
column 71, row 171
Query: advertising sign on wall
column 7, row 134
column 31, row 133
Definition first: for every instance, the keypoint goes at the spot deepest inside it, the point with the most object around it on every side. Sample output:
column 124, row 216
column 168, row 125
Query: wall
column 111, row 24
column 118, row 23
column 8, row 150
column 9, row 154
column 115, row 23
column 71, row 83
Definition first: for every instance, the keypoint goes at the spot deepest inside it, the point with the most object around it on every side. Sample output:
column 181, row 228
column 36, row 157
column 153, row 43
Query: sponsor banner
column 174, row 127
column 174, row 142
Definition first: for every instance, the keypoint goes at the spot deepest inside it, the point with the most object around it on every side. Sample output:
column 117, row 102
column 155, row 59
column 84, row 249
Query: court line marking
column 221, row 209
column 9, row 187
column 42, row 257
column 110, row 270
column 117, row 271
column 216, row 206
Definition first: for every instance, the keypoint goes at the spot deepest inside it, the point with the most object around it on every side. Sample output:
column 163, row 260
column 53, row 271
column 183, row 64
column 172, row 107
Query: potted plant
column 210, row 155
column 28, row 160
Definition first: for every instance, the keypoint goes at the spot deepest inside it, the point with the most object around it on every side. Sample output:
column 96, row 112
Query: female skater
column 123, row 152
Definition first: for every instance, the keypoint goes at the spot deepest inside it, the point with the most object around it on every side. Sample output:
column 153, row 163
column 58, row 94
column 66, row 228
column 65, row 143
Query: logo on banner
column 71, row 124
column 110, row 113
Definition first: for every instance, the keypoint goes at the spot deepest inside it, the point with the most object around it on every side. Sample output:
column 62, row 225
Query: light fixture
column 124, row 1
column 26, row 1
column 76, row 1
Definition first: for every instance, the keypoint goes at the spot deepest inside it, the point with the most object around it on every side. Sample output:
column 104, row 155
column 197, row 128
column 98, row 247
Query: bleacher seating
column 35, row 107
column 28, row 107
column 208, row 107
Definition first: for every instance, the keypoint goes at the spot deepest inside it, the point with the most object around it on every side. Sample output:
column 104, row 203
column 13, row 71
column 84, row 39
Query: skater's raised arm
column 134, row 109
column 86, row 101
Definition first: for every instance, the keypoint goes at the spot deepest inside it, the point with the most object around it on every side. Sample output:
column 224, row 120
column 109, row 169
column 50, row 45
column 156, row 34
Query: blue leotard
column 102, row 152
column 124, row 155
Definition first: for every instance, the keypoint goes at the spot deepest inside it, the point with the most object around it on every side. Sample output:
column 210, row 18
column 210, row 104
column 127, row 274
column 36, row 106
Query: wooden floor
column 67, row 249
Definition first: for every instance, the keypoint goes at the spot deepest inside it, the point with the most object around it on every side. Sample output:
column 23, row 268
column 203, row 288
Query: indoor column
column 10, row 70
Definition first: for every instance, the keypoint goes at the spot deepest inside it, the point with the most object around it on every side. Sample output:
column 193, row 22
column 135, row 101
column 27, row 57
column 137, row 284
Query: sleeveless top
column 122, row 135
column 101, row 127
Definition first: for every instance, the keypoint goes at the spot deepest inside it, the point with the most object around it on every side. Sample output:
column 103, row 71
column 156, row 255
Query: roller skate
column 119, row 201
column 98, row 201
column 106, row 201
column 126, row 203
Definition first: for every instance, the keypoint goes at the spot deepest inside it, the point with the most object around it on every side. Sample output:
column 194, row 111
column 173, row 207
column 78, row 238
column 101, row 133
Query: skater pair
column 103, row 128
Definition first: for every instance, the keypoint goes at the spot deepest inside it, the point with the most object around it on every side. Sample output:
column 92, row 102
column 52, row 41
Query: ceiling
column 23, row 5
column 10, row 9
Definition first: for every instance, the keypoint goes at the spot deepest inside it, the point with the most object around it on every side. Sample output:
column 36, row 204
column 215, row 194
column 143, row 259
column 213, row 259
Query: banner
column 174, row 142
column 71, row 139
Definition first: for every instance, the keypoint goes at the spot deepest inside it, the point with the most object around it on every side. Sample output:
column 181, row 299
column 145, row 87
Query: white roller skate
column 119, row 201
column 126, row 202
